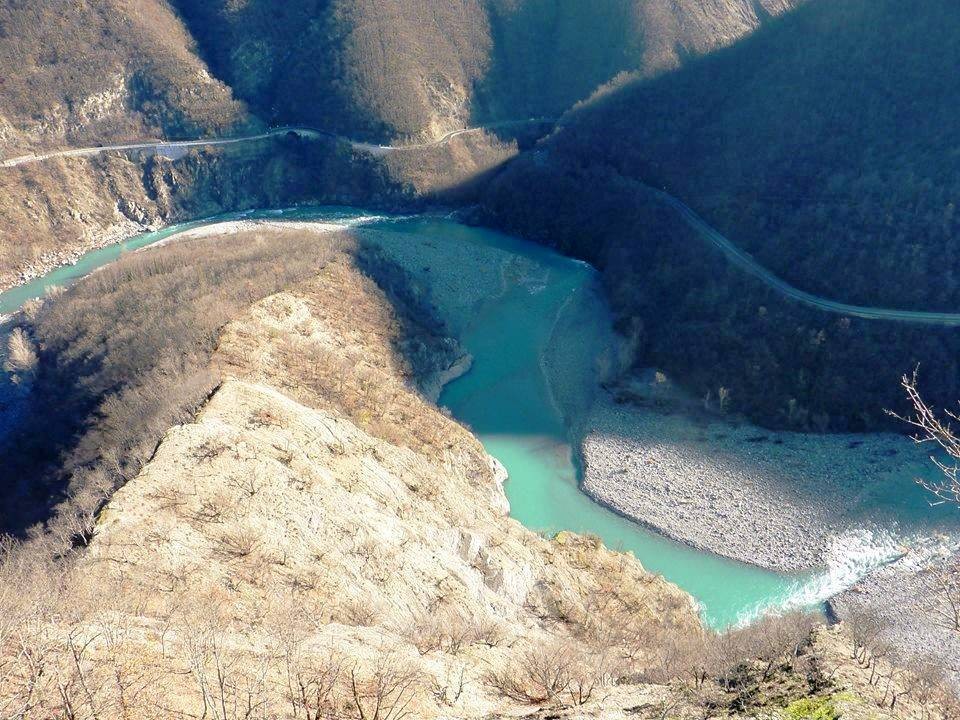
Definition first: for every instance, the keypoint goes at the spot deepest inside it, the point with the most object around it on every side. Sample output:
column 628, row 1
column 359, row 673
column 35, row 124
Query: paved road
column 746, row 263
column 161, row 146
column 733, row 253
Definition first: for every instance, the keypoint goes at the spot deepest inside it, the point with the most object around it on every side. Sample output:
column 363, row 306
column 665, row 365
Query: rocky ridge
column 319, row 494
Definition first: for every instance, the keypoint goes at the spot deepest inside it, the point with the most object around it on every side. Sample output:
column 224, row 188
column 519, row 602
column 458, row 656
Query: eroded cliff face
column 321, row 537
column 54, row 211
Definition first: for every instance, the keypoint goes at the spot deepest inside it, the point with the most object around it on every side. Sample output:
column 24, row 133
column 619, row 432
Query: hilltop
column 405, row 69
column 90, row 72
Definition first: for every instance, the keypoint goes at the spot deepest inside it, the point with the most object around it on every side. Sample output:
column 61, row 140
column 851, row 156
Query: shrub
column 554, row 670
column 812, row 709
column 125, row 354
column 21, row 354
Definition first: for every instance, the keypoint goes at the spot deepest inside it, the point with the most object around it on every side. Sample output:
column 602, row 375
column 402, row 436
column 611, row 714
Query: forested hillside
column 100, row 73
column 384, row 69
column 548, row 55
column 824, row 145
column 80, row 72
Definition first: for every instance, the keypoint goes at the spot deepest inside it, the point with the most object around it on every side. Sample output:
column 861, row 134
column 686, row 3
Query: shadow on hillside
column 548, row 55
column 90, row 403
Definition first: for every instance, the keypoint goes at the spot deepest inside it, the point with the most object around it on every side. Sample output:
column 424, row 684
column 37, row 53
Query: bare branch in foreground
column 931, row 428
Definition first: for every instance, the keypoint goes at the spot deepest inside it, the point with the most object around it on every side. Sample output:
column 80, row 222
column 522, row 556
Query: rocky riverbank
column 905, row 606
column 845, row 507
column 437, row 263
column 318, row 503
column 88, row 241
column 774, row 499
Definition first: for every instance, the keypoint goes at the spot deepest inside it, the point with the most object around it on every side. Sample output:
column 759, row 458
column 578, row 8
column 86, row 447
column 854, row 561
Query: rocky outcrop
column 319, row 514
column 320, row 541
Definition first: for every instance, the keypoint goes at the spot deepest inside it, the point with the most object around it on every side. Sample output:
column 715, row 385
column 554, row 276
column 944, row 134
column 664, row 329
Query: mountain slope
column 381, row 70
column 829, row 124
column 99, row 73
column 824, row 145
column 549, row 54
column 319, row 540
column 317, row 516
column 88, row 72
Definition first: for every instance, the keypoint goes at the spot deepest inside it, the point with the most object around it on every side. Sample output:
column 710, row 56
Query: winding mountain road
column 734, row 254
column 173, row 146
column 745, row 262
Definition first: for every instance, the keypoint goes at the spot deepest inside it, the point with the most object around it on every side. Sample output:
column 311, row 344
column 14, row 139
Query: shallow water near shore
column 13, row 299
column 509, row 402
column 506, row 400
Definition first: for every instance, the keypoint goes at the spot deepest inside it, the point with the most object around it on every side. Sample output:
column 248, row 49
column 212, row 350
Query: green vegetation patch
column 812, row 709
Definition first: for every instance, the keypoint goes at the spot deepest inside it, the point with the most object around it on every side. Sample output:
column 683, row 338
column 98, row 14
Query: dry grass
column 125, row 354
column 131, row 348
column 259, row 570
column 106, row 70
column 398, row 339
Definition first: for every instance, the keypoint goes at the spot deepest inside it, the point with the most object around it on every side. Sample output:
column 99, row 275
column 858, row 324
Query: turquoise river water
column 508, row 401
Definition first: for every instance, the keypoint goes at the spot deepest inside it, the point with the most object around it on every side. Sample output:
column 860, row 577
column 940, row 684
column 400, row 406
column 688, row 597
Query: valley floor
column 320, row 511
column 320, row 517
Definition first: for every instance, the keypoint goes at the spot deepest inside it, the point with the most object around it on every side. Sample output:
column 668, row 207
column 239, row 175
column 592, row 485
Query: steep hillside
column 82, row 72
column 549, row 54
column 97, row 73
column 320, row 541
column 52, row 212
column 417, row 69
column 360, row 67
column 317, row 508
column 823, row 145
column 119, row 358
column 87, row 73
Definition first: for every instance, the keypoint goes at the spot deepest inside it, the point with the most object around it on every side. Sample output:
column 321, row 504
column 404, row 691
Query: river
column 523, row 377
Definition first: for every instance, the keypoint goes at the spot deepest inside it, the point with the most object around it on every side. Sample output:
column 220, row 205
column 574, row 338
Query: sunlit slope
column 80, row 72
column 420, row 68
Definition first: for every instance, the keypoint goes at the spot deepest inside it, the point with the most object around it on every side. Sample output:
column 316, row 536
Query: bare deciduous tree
column 866, row 629
column 932, row 429
column 448, row 690
column 385, row 690
column 543, row 672
column 445, row 630
column 942, row 593
column 555, row 670
column 231, row 680
column 311, row 676
column 21, row 355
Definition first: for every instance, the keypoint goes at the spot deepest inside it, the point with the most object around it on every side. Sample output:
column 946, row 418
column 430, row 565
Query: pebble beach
column 774, row 499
